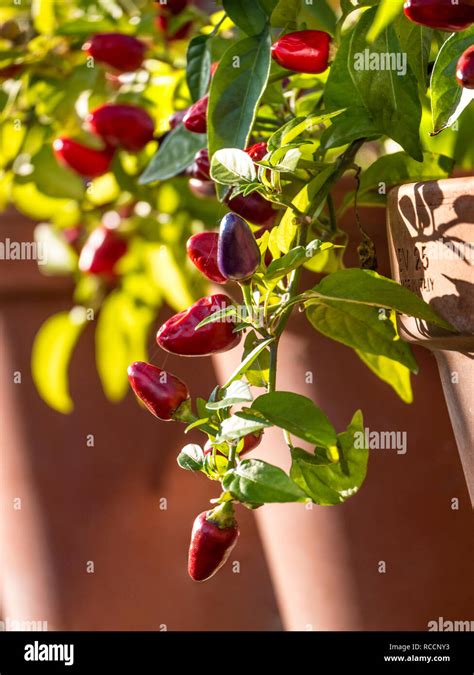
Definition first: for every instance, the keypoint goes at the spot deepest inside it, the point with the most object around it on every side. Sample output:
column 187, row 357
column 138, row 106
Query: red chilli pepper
column 440, row 14
column 202, row 189
column 238, row 255
column 201, row 167
column 122, row 125
column 85, row 161
column 178, row 334
column 305, row 51
column 465, row 69
column 168, row 9
column 101, row 252
column 161, row 392
column 177, row 117
column 254, row 208
column 124, row 53
column 257, row 151
column 213, row 537
column 195, row 119
column 202, row 250
column 251, row 441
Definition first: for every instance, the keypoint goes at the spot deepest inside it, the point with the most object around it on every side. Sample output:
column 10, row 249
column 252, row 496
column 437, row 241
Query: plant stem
column 267, row 120
column 247, row 297
column 343, row 162
column 273, row 365
column 232, row 455
column 280, row 76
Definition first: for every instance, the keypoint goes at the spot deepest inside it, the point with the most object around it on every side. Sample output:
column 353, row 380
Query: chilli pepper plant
column 169, row 148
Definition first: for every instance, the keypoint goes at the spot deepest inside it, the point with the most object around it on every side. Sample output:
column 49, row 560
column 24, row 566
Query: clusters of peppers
column 233, row 255
column 230, row 255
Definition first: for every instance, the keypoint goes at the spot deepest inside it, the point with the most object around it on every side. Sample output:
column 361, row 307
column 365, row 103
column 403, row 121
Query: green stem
column 273, row 366
column 248, row 300
column 267, row 120
column 222, row 515
column 280, row 76
column 232, row 455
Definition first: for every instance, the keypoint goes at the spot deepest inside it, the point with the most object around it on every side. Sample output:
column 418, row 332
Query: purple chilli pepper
column 238, row 255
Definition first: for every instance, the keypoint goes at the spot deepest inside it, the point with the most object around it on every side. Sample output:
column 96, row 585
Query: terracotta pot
column 430, row 228
column 396, row 555
column 65, row 505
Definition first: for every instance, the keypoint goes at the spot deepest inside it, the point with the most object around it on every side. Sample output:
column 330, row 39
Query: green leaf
column 390, row 100
column 257, row 367
column 175, row 154
column 296, row 257
column 415, row 40
column 256, row 481
column 169, row 277
column 387, row 11
column 247, row 15
column 285, row 14
column 236, row 392
column 59, row 257
column 241, row 424
column 351, row 125
column 391, row 372
column 312, row 195
column 218, row 316
column 191, row 457
column 249, row 358
column 198, row 66
column 51, row 354
column 321, row 12
column 231, row 167
column 391, row 170
column 120, row 339
column 334, row 483
column 43, row 13
column 365, row 286
column 236, row 89
column 448, row 99
column 298, row 126
column 360, row 326
column 298, row 415
column 52, row 179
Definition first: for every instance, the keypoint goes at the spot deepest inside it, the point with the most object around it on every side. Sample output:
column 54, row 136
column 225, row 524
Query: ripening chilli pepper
column 87, row 162
column 238, row 255
column 305, row 51
column 161, row 392
column 257, row 151
column 178, row 334
column 101, row 252
column 253, row 207
column 202, row 189
column 201, row 167
column 124, row 53
column 441, row 14
column 166, row 11
column 465, row 69
column 122, row 125
column 251, row 441
column 202, row 250
column 213, row 537
column 195, row 119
